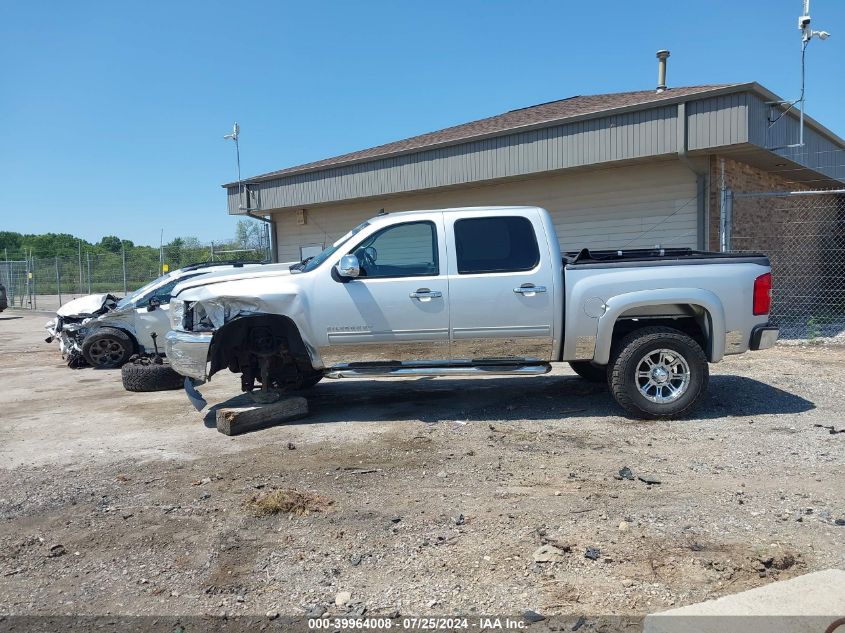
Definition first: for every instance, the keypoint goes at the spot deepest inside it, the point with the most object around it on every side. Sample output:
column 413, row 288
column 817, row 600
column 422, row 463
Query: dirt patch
column 287, row 502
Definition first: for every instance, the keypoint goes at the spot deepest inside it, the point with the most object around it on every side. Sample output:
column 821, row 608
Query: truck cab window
column 495, row 245
column 403, row 250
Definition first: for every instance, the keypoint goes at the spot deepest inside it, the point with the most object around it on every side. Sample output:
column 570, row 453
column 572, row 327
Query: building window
column 403, row 250
column 495, row 245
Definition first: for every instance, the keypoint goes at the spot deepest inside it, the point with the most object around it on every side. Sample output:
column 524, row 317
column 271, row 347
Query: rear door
column 500, row 286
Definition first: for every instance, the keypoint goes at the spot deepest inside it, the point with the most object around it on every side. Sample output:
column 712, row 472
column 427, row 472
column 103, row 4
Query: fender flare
column 619, row 304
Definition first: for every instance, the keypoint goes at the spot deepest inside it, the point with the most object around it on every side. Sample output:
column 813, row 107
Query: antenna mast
column 236, row 130
column 807, row 34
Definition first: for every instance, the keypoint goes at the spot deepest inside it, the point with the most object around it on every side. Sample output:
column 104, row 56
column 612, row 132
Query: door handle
column 527, row 290
column 425, row 293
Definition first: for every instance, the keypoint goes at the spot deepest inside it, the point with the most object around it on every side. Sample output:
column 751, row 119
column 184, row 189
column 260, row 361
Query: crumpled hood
column 90, row 305
column 219, row 303
column 247, row 272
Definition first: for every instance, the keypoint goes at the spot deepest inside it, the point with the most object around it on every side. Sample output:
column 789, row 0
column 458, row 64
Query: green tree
column 250, row 234
column 10, row 242
column 111, row 243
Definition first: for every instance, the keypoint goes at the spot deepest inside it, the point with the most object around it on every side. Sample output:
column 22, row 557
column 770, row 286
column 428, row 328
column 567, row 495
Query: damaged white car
column 105, row 331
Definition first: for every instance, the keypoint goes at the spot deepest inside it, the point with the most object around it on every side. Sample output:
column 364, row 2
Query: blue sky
column 113, row 113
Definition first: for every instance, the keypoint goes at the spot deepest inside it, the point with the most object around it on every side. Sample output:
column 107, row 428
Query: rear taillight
column 763, row 294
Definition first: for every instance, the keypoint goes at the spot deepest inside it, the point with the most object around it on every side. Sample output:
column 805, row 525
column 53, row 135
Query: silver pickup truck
column 476, row 291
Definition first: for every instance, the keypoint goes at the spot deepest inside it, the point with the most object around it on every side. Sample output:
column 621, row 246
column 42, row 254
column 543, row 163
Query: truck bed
column 586, row 258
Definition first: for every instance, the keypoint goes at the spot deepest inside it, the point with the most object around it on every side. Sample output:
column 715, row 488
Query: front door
column 397, row 309
column 148, row 322
column 157, row 320
column 501, row 288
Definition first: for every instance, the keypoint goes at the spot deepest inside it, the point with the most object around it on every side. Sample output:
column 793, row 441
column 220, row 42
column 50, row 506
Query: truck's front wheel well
column 238, row 343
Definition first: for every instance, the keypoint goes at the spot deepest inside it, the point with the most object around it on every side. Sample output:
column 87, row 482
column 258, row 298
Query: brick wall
column 758, row 216
column 804, row 237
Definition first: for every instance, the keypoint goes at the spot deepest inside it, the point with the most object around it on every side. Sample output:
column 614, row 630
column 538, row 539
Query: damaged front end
column 74, row 321
column 254, row 336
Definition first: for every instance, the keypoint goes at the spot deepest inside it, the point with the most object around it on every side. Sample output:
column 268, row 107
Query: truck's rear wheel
column 658, row 373
column 589, row 371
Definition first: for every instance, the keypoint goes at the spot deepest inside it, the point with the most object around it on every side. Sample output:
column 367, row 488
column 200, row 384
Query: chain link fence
column 803, row 233
column 47, row 283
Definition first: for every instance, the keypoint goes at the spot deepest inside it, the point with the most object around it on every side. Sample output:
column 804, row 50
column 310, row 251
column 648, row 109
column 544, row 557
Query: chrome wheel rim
column 662, row 376
column 105, row 350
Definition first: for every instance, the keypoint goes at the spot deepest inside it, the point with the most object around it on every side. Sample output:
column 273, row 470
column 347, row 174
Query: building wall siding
column 619, row 207
column 818, row 153
column 637, row 134
column 717, row 121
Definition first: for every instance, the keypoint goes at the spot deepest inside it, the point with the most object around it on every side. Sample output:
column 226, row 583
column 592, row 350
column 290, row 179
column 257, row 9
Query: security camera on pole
column 807, row 34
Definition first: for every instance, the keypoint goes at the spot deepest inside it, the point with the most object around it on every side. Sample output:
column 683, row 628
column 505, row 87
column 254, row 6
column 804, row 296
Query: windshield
column 310, row 264
column 142, row 290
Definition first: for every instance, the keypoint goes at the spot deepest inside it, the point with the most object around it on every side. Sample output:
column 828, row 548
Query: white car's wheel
column 107, row 347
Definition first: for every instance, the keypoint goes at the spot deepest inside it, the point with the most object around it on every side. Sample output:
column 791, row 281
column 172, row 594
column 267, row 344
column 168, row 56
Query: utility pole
column 29, row 276
column 34, row 288
column 9, row 278
column 58, row 282
column 80, row 266
column 123, row 257
column 161, row 253
column 88, row 260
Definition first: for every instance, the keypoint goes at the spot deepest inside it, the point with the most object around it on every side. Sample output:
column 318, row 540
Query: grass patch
column 288, row 501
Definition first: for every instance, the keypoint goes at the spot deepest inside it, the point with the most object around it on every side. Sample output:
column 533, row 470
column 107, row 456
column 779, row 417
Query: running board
column 443, row 370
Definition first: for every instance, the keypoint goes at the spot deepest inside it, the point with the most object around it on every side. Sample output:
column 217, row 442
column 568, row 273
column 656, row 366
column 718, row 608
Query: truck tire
column 107, row 347
column 658, row 373
column 150, row 377
column 589, row 371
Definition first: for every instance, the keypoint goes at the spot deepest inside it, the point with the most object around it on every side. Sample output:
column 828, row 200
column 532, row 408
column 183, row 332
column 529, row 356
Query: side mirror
column 153, row 304
column 348, row 267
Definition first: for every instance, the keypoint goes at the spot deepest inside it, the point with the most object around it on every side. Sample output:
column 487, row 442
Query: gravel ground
column 430, row 496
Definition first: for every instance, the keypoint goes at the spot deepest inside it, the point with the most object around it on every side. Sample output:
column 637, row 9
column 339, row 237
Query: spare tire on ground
column 144, row 374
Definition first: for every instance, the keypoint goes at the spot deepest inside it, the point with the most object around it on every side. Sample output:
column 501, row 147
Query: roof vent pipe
column 661, row 70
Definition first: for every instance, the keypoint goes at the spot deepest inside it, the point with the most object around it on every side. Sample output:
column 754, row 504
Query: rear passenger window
column 495, row 245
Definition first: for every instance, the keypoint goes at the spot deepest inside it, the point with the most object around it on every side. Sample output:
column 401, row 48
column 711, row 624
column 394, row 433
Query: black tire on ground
column 108, row 347
column 630, row 371
column 152, row 377
column 588, row 371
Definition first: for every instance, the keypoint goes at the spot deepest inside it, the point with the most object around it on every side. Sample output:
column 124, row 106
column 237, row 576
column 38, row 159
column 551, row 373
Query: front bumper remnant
column 193, row 395
column 188, row 353
column 763, row 337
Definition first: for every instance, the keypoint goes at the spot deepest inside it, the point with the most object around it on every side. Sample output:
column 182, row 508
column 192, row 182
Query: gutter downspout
column 701, row 179
column 270, row 222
